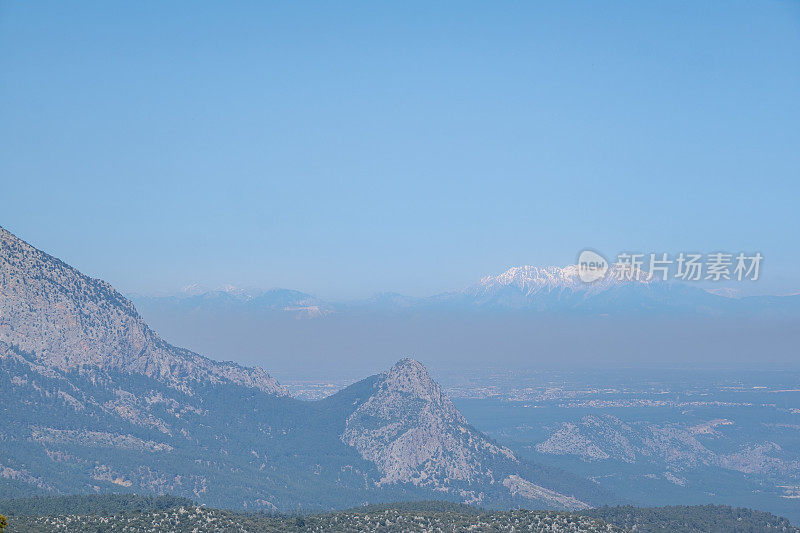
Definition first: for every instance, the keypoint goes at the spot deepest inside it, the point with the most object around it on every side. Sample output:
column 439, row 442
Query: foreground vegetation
column 139, row 514
column 201, row 519
column 94, row 504
column 672, row 518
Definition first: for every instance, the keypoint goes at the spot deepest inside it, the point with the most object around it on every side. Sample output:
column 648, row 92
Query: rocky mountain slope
column 674, row 447
column 414, row 435
column 71, row 322
column 93, row 400
column 428, row 443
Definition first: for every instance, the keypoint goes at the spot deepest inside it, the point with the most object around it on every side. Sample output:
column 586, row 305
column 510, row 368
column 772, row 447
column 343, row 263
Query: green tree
column 3, row 523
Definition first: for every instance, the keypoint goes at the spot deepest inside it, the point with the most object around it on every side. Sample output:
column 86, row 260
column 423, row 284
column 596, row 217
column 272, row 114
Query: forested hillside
column 140, row 514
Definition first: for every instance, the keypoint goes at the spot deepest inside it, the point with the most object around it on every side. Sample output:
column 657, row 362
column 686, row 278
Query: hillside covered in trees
column 140, row 514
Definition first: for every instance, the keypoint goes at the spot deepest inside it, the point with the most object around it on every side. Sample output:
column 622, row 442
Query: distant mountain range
column 525, row 289
column 95, row 401
column 229, row 298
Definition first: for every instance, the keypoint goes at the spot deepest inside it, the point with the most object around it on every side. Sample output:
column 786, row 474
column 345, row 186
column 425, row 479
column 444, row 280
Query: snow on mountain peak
column 193, row 289
column 528, row 276
column 531, row 279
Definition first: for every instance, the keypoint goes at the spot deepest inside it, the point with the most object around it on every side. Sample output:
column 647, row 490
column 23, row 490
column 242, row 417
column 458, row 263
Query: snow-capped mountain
column 531, row 280
column 560, row 290
column 524, row 288
column 530, row 285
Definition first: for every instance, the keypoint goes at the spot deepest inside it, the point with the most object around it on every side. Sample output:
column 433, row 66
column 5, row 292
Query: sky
column 346, row 148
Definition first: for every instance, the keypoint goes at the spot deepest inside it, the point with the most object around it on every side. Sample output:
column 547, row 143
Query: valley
column 672, row 437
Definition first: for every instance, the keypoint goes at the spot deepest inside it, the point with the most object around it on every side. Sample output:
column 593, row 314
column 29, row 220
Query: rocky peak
column 414, row 433
column 72, row 322
column 409, row 378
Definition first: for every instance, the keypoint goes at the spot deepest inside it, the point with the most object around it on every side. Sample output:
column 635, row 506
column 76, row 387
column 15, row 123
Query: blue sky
column 344, row 148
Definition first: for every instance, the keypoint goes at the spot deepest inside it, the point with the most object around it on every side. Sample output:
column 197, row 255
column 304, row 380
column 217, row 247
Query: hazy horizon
column 349, row 346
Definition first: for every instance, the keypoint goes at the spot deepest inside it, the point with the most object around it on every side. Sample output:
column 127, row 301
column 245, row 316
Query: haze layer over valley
column 525, row 317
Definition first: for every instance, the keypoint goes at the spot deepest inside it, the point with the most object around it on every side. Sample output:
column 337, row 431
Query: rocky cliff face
column 72, row 322
column 673, row 447
column 414, row 434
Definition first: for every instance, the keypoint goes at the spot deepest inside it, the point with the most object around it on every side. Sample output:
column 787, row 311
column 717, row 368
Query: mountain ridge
column 96, row 401
column 524, row 289
column 52, row 310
